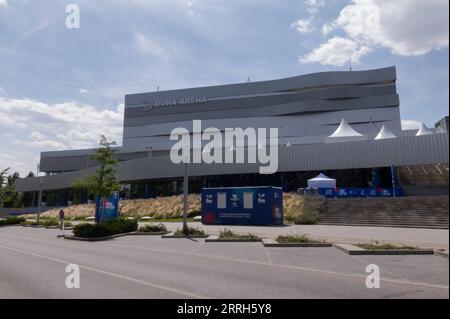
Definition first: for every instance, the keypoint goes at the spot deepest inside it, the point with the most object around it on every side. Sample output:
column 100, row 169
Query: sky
column 62, row 87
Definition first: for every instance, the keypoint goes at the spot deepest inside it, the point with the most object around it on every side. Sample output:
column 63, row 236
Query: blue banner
column 242, row 206
column 107, row 208
column 359, row 192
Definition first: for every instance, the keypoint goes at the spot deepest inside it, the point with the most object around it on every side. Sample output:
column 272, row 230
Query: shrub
column 190, row 231
column 11, row 220
column 51, row 222
column 68, row 224
column 302, row 209
column 293, row 239
column 107, row 228
column 153, row 228
column 228, row 234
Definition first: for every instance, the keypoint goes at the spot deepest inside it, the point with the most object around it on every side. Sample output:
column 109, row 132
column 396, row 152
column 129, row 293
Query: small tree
column 103, row 182
column 8, row 195
column 3, row 192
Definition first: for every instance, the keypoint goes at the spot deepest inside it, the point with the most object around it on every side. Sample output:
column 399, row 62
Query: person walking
column 61, row 219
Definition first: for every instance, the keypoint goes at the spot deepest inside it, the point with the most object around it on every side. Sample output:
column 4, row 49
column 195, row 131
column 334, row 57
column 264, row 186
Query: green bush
column 51, row 222
column 68, row 224
column 153, row 228
column 107, row 228
column 228, row 234
column 190, row 231
column 12, row 220
column 293, row 239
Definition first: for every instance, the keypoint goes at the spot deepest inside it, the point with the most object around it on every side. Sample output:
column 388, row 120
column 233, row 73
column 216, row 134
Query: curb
column 355, row 250
column 443, row 254
column 141, row 233
column 94, row 239
column 215, row 239
column 171, row 235
column 274, row 243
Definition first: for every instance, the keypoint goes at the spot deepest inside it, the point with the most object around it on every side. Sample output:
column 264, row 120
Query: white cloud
column 303, row 25
column 312, row 6
column 59, row 126
column 84, row 92
column 405, row 27
column 3, row 3
column 150, row 47
column 337, row 51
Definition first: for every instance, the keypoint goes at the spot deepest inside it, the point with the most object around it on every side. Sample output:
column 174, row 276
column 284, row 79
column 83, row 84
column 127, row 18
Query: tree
column 8, row 195
column 3, row 179
column 103, row 182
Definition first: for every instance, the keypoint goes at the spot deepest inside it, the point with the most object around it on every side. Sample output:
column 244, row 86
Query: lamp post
column 41, row 181
column 185, row 188
column 288, row 145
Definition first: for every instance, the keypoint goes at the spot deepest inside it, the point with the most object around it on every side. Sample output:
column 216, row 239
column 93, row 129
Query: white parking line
column 329, row 272
column 104, row 272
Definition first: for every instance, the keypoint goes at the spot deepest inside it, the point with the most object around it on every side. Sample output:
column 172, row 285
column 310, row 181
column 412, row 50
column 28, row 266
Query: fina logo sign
column 150, row 105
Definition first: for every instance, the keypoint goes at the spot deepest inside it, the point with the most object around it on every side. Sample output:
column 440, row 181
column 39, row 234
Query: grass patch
column 228, row 234
column 295, row 239
column 189, row 231
column 379, row 246
column 153, row 228
column 50, row 222
column 302, row 209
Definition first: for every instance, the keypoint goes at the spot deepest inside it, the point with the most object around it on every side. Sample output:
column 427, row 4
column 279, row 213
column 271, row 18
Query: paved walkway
column 424, row 238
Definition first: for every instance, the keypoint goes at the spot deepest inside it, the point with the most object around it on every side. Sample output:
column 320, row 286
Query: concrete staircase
column 413, row 212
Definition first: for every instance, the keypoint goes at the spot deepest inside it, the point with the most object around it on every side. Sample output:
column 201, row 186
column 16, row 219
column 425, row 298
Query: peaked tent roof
column 321, row 181
column 439, row 130
column 322, row 177
column 385, row 133
column 424, row 130
column 345, row 130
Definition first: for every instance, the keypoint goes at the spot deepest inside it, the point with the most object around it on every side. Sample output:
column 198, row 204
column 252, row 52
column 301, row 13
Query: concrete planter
column 95, row 239
column 355, row 250
column 142, row 233
column 216, row 239
column 274, row 243
column 171, row 235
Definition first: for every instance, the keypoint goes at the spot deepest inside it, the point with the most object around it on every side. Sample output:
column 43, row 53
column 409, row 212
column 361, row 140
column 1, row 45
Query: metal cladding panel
column 402, row 151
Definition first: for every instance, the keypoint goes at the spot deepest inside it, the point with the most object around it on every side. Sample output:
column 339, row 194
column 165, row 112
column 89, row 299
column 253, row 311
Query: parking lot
column 33, row 265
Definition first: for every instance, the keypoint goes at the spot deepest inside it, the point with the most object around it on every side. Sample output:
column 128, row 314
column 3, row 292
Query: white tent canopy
column 439, row 130
column 321, row 181
column 345, row 133
column 345, row 130
column 385, row 133
column 424, row 130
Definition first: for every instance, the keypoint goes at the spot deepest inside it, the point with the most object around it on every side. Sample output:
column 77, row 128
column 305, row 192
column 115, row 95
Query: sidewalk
column 423, row 238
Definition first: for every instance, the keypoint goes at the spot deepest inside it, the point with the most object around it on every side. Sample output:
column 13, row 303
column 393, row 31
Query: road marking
column 329, row 272
column 268, row 255
column 104, row 272
column 406, row 282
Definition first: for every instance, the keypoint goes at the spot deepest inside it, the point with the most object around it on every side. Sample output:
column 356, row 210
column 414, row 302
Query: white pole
column 185, row 194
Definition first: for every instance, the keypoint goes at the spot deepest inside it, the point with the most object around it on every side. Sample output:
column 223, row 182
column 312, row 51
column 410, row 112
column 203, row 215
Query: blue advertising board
column 360, row 192
column 107, row 208
column 261, row 205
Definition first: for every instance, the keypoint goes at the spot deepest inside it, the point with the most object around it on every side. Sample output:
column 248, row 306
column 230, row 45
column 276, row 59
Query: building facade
column 305, row 109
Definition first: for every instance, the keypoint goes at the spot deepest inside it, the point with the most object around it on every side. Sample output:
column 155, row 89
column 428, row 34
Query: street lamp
column 186, row 160
column 41, row 181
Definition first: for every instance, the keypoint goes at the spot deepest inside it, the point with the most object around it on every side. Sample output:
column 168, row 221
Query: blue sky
column 61, row 88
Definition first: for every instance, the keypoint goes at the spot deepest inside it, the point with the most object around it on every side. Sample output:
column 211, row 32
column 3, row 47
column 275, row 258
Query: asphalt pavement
column 33, row 264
